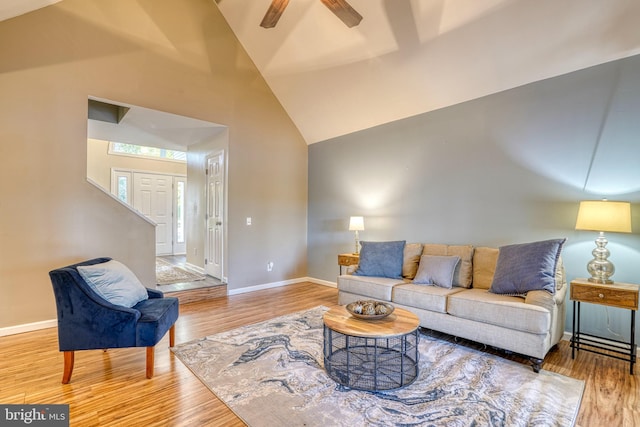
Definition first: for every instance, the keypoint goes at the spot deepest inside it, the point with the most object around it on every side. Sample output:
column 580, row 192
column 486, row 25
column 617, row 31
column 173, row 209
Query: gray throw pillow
column 436, row 270
column 381, row 259
column 527, row 267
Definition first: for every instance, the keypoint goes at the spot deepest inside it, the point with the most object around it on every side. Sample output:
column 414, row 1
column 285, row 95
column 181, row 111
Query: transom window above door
column 123, row 149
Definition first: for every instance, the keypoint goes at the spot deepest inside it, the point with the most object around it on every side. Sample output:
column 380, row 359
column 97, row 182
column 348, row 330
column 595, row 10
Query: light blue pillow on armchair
column 114, row 282
column 381, row 259
column 527, row 267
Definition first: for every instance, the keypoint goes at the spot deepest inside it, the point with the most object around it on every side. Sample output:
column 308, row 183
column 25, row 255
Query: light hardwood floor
column 110, row 389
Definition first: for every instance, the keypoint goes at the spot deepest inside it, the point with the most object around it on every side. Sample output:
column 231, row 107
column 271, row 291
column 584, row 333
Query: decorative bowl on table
column 370, row 309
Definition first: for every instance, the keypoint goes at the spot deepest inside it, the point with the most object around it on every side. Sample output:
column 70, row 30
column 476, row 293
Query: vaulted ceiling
column 407, row 57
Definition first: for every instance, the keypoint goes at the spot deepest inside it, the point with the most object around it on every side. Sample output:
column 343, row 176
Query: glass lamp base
column 600, row 268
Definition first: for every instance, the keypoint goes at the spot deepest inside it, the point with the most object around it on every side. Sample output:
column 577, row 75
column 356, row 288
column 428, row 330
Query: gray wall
column 507, row 168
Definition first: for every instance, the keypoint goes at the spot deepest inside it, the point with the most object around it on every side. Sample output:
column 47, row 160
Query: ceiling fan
column 340, row 8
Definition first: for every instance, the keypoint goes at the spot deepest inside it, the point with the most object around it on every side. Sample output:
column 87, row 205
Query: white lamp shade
column 603, row 215
column 356, row 223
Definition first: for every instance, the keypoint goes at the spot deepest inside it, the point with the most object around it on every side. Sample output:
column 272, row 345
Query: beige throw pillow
column 412, row 252
column 484, row 266
column 464, row 271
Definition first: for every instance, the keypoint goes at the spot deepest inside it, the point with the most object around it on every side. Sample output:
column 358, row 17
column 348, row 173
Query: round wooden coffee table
column 371, row 354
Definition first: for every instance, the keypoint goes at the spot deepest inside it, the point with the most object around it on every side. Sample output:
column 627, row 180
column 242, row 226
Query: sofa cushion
column 431, row 298
column 114, row 282
column 484, row 266
column 463, row 274
column 501, row 310
column 381, row 259
column 436, row 270
column 379, row 288
column 412, row 253
column 527, row 267
column 156, row 317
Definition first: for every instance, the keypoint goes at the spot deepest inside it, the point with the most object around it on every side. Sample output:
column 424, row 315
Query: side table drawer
column 348, row 259
column 610, row 295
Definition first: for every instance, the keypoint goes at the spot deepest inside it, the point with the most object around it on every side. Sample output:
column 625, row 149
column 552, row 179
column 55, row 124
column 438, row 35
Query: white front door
column 215, row 215
column 153, row 197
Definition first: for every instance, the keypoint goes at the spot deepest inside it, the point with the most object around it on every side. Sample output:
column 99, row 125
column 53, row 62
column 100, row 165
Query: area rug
column 167, row 273
column 271, row 374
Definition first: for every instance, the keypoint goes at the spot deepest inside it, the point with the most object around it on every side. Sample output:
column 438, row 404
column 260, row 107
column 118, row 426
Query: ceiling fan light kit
column 340, row 8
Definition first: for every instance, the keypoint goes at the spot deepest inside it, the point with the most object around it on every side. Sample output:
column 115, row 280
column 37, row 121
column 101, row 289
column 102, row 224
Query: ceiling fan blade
column 273, row 13
column 344, row 11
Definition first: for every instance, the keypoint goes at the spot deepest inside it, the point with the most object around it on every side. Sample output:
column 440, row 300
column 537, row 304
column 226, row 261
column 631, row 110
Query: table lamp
column 601, row 216
column 356, row 223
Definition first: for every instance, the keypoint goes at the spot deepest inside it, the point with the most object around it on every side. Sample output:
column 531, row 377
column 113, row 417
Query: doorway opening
column 174, row 196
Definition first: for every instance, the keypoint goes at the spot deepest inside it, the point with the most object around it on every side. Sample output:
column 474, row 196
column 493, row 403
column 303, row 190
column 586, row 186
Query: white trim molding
column 278, row 284
column 195, row 268
column 28, row 327
column 321, row 282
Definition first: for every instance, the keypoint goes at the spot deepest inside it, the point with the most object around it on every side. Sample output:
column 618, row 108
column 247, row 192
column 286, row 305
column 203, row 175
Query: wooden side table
column 346, row 260
column 620, row 295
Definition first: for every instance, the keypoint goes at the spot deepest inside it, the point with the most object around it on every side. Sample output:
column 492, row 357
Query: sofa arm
column 561, row 295
column 540, row 298
column 545, row 299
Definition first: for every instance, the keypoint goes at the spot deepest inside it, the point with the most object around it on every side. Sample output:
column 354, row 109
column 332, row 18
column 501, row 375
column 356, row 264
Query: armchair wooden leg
column 172, row 335
column 150, row 354
column 68, row 366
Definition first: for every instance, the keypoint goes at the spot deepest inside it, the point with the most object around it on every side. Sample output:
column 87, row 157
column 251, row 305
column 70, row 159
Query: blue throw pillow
column 381, row 259
column 114, row 282
column 527, row 267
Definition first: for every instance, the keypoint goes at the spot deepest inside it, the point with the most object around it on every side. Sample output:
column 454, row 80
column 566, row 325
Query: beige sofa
column 529, row 325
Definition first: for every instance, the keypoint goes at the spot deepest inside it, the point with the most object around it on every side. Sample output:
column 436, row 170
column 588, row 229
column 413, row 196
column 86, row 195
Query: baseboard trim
column 28, row 327
column 322, row 282
column 195, row 268
column 248, row 289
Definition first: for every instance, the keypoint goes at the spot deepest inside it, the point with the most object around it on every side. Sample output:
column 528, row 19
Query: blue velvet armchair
column 86, row 321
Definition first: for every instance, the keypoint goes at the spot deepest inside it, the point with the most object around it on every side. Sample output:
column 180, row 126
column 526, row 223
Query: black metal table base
column 371, row 364
column 622, row 350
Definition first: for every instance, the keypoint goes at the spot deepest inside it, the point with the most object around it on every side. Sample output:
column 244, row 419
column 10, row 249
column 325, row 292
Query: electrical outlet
column 270, row 266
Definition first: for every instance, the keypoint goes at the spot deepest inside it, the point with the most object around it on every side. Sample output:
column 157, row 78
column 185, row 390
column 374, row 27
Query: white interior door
column 153, row 197
column 215, row 215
